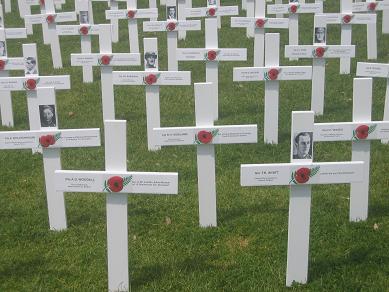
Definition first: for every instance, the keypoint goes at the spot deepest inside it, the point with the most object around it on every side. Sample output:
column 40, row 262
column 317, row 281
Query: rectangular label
column 365, row 6
column 218, row 54
column 351, row 131
column 16, row 33
column 21, row 83
column 179, row 25
column 372, row 70
column 117, row 182
column 331, row 51
column 138, row 13
column 35, row 19
column 50, row 139
column 116, row 59
column 301, row 174
column 250, row 22
column 13, row 64
column 219, row 11
column 76, row 29
column 66, row 17
column 276, row 73
column 300, row 8
column 151, row 78
column 235, row 134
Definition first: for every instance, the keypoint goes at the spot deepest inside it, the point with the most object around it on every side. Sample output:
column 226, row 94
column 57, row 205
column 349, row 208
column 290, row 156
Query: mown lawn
column 167, row 249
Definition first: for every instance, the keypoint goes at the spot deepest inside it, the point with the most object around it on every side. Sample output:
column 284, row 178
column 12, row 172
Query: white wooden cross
column 377, row 70
column 372, row 6
column 50, row 140
column 84, row 30
column 106, row 60
column 152, row 79
column 116, row 182
column 132, row 14
column 52, row 18
column 212, row 55
column 272, row 73
column 212, row 10
column 6, row 65
column 346, row 18
column 294, row 9
column 361, row 131
column 205, row 135
column 259, row 22
column 300, row 174
column 113, row 5
column 31, row 81
column 171, row 26
column 7, row 6
column 385, row 13
column 319, row 52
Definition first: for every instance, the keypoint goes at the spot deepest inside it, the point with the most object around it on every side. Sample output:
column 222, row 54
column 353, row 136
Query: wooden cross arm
column 58, row 17
column 350, row 18
column 318, row 51
column 206, row 135
column 45, row 139
column 301, row 173
column 370, row 6
column 172, row 25
column 272, row 73
column 12, row 63
column 351, row 131
column 80, row 29
column 15, row 33
column 132, row 13
column 295, row 8
column 152, row 78
column 212, row 11
column 97, row 59
column 373, row 70
column 260, row 22
column 31, row 83
column 116, row 182
column 200, row 54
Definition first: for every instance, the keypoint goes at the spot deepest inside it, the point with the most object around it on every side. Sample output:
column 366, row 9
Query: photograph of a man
column 151, row 60
column 302, row 148
column 30, row 66
column 320, row 35
column 171, row 12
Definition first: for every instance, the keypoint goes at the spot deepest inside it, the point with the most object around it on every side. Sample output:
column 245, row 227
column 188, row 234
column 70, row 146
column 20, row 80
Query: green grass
column 247, row 251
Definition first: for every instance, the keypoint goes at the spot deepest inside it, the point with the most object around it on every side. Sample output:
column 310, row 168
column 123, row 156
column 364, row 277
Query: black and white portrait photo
column 47, row 115
column 211, row 2
column 171, row 12
column 151, row 60
column 84, row 17
column 3, row 50
column 293, row 1
column 1, row 22
column 302, row 146
column 320, row 35
column 30, row 66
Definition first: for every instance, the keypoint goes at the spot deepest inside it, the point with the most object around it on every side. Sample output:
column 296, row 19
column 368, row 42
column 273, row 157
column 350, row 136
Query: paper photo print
column 302, row 145
column 171, row 12
column 3, row 49
column 30, row 66
column 47, row 115
column 151, row 60
column 320, row 35
column 84, row 17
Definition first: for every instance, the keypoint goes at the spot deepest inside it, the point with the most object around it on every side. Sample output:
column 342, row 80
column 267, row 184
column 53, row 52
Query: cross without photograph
column 294, row 9
column 212, row 55
column 272, row 73
column 52, row 18
column 9, row 64
column 116, row 182
column 132, row 14
column 171, row 27
column 319, row 52
column 300, row 174
column 347, row 19
column 152, row 79
column 106, row 60
column 259, row 23
column 377, row 70
column 360, row 132
column 204, row 136
column 50, row 141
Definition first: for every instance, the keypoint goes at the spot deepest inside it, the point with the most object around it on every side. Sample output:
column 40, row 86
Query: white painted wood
column 211, row 68
column 385, row 21
column 244, row 4
column 153, row 4
column 259, row 34
column 362, row 105
column 172, row 48
column 386, row 109
column 24, row 10
column 250, row 13
column 371, row 39
column 279, row 15
column 7, row 118
column 181, row 5
column 7, row 6
column 86, row 41
column 114, row 22
column 162, row 2
column 293, row 31
column 117, row 226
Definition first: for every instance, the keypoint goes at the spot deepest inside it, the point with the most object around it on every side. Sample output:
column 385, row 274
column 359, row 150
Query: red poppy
column 131, row 14
column 2, row 64
column 42, row 2
column 204, row 137
column 171, row 26
column 211, row 55
column 45, row 141
column 105, row 60
column 320, row 52
column 115, row 184
column 50, row 19
column 346, row 18
column 372, row 6
column 273, row 74
column 302, row 175
column 84, row 30
column 31, row 84
column 293, row 8
column 151, row 79
column 51, row 139
column 260, row 22
column 211, row 11
column 362, row 132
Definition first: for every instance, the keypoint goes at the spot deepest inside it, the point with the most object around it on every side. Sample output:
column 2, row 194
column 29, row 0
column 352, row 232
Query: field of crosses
column 234, row 209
